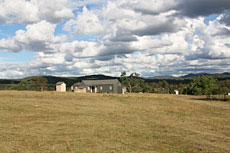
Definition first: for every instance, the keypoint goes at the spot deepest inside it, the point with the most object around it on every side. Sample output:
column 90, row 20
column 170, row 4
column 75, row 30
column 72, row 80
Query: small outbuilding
column 99, row 86
column 176, row 92
column 61, row 87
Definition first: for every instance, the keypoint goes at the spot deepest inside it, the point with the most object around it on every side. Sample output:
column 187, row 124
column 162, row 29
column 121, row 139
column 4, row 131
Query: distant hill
column 216, row 75
column 226, row 73
column 9, row 81
column 164, row 77
column 71, row 80
column 191, row 75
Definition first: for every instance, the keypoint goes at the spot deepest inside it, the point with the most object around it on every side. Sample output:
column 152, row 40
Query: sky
column 87, row 37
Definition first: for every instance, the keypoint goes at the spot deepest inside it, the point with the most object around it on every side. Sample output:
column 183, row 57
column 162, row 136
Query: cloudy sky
column 85, row 37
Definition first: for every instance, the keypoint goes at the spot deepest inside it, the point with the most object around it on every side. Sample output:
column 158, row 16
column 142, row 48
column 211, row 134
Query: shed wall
column 61, row 88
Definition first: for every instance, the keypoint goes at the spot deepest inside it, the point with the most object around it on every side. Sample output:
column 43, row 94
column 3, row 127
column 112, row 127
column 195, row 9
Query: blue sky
column 8, row 30
column 83, row 37
column 23, row 56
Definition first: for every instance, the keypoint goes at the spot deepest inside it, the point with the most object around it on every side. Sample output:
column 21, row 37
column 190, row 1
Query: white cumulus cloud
column 151, row 37
column 24, row 11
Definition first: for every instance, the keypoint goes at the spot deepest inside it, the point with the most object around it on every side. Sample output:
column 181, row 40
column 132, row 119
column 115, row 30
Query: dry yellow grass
column 50, row 122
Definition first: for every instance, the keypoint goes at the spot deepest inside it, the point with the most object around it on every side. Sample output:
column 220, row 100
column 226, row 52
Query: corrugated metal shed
column 101, row 82
column 100, row 86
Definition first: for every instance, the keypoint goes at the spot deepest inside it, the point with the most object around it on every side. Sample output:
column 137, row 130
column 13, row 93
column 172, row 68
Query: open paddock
column 132, row 123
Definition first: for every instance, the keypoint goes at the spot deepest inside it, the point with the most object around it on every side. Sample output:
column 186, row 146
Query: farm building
column 61, row 87
column 99, row 86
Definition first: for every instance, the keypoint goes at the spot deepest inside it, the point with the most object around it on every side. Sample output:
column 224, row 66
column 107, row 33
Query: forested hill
column 216, row 75
column 54, row 79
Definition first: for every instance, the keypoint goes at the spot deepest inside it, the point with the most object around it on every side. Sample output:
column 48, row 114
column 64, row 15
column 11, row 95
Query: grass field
column 50, row 122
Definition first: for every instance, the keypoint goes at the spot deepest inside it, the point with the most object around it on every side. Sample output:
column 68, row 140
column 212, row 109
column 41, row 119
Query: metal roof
column 101, row 82
column 79, row 85
column 97, row 82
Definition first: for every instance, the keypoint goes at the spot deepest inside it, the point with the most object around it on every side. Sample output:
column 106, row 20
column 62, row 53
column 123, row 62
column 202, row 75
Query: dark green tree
column 133, row 82
column 181, row 88
column 147, row 88
column 38, row 83
column 165, row 85
column 227, row 85
column 23, row 85
column 203, row 85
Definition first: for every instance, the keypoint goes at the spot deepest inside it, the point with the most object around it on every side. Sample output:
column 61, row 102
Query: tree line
column 37, row 83
column 203, row 85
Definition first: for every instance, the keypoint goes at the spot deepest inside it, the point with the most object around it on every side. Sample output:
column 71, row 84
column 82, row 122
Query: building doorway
column 94, row 89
